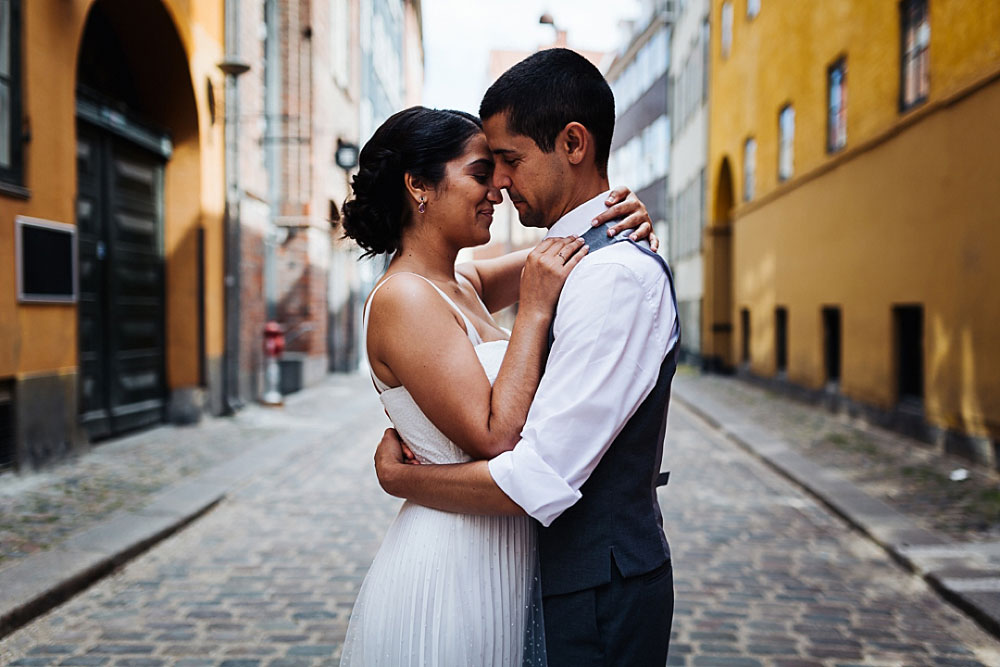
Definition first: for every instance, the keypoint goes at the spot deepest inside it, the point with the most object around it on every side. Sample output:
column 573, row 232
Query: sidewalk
column 66, row 527
column 893, row 489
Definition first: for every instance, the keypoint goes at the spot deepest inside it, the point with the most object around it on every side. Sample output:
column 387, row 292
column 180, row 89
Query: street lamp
column 346, row 155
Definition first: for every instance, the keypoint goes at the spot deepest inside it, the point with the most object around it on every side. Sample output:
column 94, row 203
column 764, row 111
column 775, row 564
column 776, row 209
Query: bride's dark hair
column 417, row 141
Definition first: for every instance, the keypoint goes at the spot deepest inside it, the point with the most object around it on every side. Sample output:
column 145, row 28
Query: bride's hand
column 623, row 204
column 545, row 271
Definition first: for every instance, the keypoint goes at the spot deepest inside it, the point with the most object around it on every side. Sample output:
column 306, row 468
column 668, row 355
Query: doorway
column 121, row 309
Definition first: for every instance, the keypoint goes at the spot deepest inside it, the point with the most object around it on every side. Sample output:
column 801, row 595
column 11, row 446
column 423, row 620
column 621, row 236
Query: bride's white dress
column 447, row 589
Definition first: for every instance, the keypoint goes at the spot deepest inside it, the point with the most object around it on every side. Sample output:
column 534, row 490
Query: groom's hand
column 388, row 455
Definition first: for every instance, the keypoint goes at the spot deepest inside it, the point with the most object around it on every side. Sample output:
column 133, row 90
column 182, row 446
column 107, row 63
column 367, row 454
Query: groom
column 587, row 464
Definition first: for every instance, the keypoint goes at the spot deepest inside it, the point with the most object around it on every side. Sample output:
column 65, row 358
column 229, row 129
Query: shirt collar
column 577, row 221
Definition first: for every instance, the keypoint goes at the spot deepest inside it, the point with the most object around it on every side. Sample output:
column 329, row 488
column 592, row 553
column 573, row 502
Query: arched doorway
column 135, row 108
column 718, row 314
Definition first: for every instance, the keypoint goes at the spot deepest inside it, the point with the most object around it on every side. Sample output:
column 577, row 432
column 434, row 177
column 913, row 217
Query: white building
column 640, row 149
column 688, row 157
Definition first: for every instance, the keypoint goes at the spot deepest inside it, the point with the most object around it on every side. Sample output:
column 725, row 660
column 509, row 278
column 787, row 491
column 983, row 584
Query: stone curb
column 42, row 581
column 960, row 573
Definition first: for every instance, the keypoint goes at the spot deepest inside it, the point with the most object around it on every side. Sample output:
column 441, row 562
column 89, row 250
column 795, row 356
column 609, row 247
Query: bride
column 450, row 589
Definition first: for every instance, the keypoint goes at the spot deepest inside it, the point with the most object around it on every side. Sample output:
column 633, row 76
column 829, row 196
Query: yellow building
column 111, row 216
column 853, row 179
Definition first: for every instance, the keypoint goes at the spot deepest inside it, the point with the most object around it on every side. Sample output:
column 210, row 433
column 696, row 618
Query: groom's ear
column 575, row 140
column 416, row 188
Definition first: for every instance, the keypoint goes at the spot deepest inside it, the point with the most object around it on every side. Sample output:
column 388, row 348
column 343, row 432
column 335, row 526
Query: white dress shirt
column 615, row 323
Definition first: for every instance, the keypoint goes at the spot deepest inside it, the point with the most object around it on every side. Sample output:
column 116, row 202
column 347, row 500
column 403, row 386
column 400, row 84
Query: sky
column 459, row 34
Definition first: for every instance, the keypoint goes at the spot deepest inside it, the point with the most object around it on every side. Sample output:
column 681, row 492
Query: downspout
column 233, row 67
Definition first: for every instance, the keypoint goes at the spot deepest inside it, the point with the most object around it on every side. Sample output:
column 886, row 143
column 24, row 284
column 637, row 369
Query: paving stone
column 46, row 649
column 122, row 649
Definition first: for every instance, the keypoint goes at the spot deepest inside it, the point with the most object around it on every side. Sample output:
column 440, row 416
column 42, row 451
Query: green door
column 121, row 306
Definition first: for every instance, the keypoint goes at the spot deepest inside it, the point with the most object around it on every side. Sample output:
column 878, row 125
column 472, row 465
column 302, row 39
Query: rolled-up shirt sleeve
column 611, row 335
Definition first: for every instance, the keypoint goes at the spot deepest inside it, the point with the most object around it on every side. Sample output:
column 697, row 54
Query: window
column 340, row 42
column 10, row 94
column 836, row 122
column 704, row 60
column 688, row 218
column 749, row 168
column 786, row 128
column 753, row 8
column 781, row 339
column 831, row 343
column 727, row 28
column 914, row 65
column 909, row 325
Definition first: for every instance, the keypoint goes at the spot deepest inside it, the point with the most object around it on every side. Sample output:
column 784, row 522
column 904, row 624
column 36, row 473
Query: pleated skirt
column 449, row 590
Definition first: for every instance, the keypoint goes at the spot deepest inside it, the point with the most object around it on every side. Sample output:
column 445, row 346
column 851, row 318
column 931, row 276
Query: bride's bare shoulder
column 401, row 297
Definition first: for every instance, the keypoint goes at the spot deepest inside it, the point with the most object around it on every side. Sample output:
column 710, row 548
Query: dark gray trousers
column 624, row 622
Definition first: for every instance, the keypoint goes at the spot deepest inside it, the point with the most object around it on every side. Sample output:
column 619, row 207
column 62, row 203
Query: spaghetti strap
column 470, row 330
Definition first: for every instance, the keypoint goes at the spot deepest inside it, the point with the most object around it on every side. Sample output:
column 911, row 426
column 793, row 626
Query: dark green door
column 121, row 307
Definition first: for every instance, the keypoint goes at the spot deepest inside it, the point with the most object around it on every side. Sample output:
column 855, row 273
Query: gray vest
column 617, row 522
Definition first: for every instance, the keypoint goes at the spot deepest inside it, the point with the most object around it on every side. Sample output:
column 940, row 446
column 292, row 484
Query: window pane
column 787, row 128
column 5, row 37
column 837, row 120
column 5, row 125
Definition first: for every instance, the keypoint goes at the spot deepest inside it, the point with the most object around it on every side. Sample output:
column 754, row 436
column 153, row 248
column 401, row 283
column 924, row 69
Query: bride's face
column 463, row 202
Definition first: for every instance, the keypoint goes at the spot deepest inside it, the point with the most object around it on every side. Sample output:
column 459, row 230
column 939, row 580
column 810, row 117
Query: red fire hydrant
column 274, row 345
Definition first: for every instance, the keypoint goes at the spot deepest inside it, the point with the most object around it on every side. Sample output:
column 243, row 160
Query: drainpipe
column 232, row 67
column 272, row 115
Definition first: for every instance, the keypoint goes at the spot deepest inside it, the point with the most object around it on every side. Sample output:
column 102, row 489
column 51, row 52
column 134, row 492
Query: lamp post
column 233, row 68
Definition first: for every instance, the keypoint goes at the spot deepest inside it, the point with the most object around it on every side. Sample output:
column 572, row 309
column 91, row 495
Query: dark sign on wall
column 46, row 261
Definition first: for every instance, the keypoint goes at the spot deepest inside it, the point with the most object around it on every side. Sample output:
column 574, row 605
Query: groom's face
column 532, row 177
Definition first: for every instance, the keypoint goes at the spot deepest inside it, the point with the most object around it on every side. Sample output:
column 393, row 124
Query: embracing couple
column 531, row 534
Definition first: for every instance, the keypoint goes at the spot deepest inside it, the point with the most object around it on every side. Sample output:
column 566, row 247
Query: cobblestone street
column 764, row 574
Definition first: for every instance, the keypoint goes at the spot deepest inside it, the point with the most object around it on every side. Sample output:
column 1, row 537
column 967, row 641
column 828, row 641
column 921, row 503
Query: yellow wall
column 43, row 338
column 906, row 214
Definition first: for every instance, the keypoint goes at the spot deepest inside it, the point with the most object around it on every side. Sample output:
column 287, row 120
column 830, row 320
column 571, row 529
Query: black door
column 121, row 308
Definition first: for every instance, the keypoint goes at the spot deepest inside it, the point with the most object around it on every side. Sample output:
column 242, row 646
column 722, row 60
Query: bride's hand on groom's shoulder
column 625, row 207
column 545, row 271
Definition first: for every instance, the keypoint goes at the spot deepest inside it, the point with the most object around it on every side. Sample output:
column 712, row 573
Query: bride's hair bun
column 418, row 141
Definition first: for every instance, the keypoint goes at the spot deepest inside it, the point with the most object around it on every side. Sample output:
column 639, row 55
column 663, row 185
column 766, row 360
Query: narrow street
column 764, row 575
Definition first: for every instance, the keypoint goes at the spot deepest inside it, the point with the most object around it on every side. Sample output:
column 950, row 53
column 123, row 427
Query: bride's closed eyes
column 482, row 170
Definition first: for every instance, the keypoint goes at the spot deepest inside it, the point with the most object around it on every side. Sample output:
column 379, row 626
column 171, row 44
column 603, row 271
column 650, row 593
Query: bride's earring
column 423, row 206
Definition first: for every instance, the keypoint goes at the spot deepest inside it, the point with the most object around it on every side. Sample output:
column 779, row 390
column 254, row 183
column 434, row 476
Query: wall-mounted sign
column 46, row 261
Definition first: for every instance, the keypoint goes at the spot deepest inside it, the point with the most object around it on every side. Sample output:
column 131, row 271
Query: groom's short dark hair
column 548, row 90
